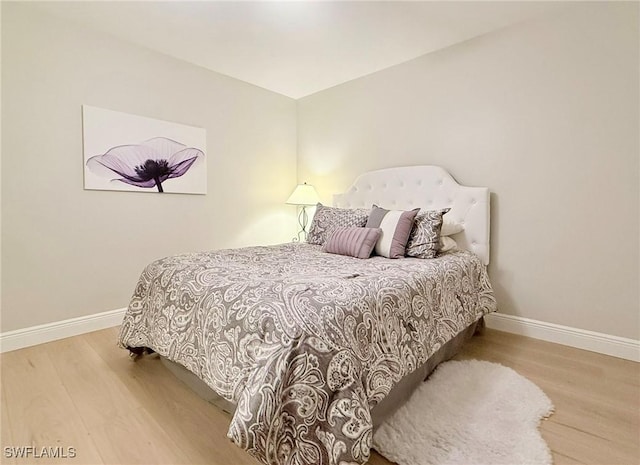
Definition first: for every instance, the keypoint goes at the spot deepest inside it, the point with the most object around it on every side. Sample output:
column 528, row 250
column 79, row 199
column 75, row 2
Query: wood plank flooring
column 84, row 392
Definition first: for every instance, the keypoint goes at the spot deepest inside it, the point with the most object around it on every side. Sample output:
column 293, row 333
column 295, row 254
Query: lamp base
column 303, row 219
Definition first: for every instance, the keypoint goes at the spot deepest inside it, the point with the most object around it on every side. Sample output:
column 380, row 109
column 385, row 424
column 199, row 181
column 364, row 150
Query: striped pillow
column 354, row 242
column 396, row 226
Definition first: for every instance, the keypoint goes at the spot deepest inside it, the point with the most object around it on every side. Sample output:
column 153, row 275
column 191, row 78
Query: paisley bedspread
column 304, row 342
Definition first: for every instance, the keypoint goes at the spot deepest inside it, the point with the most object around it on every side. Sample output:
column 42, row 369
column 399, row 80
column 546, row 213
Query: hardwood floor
column 85, row 393
column 596, row 397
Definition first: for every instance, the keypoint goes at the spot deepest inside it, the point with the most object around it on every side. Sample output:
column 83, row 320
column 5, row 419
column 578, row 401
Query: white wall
column 544, row 113
column 68, row 252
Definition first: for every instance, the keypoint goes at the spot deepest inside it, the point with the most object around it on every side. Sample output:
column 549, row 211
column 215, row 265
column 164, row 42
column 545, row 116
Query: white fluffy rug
column 468, row 413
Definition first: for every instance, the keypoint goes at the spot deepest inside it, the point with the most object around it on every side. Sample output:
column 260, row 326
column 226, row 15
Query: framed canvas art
column 124, row 152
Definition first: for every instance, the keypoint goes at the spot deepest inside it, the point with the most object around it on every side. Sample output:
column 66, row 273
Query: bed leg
column 136, row 352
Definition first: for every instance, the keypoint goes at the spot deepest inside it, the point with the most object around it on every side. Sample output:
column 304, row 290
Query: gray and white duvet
column 306, row 343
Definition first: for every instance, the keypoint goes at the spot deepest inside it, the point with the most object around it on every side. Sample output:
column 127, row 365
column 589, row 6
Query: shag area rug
column 468, row 413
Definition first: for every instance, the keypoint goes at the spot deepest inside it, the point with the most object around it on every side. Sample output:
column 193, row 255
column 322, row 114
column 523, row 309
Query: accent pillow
column 396, row 226
column 424, row 241
column 354, row 242
column 327, row 219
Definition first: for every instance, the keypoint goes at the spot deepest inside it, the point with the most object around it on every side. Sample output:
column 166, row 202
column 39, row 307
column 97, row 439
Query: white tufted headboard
column 428, row 187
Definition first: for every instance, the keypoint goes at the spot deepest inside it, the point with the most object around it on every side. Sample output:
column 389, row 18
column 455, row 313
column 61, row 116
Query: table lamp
column 303, row 195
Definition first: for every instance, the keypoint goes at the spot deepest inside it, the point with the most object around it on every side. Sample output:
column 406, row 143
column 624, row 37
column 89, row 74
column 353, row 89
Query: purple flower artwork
column 125, row 152
column 146, row 165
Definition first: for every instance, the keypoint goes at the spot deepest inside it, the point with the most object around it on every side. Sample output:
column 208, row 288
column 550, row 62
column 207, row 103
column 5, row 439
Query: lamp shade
column 303, row 194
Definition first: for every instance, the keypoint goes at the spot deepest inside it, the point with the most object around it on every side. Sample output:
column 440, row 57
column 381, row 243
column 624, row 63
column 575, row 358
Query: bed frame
column 428, row 187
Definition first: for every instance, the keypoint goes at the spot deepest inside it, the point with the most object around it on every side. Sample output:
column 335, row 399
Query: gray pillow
column 327, row 219
column 354, row 242
column 396, row 226
column 424, row 241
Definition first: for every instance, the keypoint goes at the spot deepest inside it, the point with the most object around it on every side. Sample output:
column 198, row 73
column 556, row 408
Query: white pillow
column 450, row 227
column 447, row 244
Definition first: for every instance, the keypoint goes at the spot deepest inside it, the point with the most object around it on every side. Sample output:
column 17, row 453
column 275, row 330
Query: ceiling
column 296, row 48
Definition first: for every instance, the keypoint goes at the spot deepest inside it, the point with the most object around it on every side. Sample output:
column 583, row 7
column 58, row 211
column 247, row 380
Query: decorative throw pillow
column 327, row 219
column 396, row 226
column 424, row 241
column 354, row 242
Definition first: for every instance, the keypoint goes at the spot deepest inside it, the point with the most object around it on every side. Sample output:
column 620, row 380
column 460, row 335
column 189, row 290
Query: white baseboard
column 615, row 346
column 607, row 344
column 20, row 338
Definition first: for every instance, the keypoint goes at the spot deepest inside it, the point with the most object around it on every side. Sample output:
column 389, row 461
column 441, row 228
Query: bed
column 309, row 350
